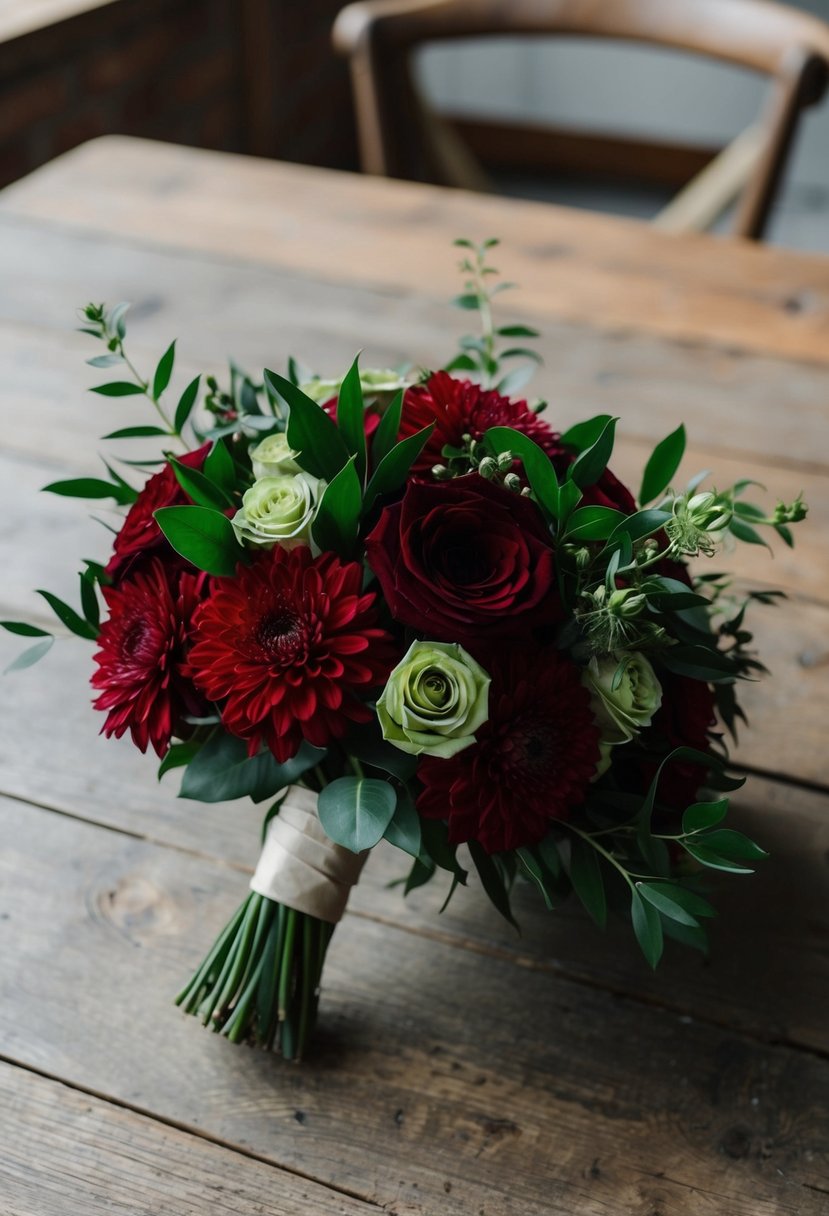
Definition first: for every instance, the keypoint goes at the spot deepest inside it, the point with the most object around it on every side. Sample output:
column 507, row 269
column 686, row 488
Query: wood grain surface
column 461, row 1069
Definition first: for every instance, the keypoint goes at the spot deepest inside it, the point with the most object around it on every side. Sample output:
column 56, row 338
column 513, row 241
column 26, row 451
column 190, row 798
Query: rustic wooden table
column 459, row 1069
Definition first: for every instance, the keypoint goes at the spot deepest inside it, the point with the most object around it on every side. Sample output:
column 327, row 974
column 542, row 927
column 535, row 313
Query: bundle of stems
column 260, row 982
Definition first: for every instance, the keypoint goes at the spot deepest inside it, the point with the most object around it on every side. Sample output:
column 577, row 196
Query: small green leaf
column 586, row 877
column 204, row 537
column 662, row 465
column 587, row 468
column 438, row 849
column 744, row 532
column 704, row 815
column 699, row 662
column 89, row 600
column 356, row 811
column 584, row 434
column 69, row 617
column 535, row 871
column 24, row 630
column 90, row 487
column 537, row 465
column 593, row 523
column 385, row 437
column 220, row 469
column 164, row 371
column 403, row 830
column 31, row 656
column 119, row 388
column 714, row 861
column 647, row 926
column 517, row 331
column 351, row 420
column 104, row 360
column 675, row 902
column 467, row 301
column 492, row 881
column 337, row 521
column 420, row 873
column 185, row 404
column 136, row 432
column 733, row 845
column 311, row 433
column 640, row 524
column 178, row 755
column 198, row 487
column 222, row 770
column 394, row 467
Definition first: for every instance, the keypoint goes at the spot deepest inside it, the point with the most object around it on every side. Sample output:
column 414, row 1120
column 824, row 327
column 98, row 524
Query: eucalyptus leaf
column 356, row 811
column 31, row 656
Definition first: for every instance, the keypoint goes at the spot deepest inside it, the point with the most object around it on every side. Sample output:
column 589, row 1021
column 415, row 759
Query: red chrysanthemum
column 286, row 646
column 140, row 534
column 532, row 760
column 141, row 678
column 458, row 408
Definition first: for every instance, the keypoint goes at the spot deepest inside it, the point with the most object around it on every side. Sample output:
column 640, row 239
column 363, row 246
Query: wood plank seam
column 197, row 1132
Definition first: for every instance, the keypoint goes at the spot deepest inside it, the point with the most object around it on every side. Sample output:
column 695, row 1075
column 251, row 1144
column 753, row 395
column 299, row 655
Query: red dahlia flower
column 140, row 674
column 464, row 559
column 140, row 534
column 532, row 761
column 459, row 407
column 286, row 646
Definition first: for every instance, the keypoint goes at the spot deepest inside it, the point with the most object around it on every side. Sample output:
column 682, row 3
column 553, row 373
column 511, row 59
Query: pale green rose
column 274, row 457
column 374, row 382
column 624, row 694
column 277, row 511
column 434, row 701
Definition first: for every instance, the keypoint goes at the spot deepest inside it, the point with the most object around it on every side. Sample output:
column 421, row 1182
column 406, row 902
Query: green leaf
column 744, row 532
column 356, row 811
column 662, row 465
column 385, row 437
column 24, row 630
column 198, row 487
column 587, row 468
column 185, row 404
column 220, row 469
column 394, row 467
column 733, row 845
column 311, row 433
column 337, row 521
column 420, row 873
column 204, row 537
column 403, row 830
column 178, row 755
column 584, row 434
column 641, row 524
column 517, row 331
column 492, row 881
column 69, row 617
column 593, row 523
column 675, row 902
column 714, row 861
column 104, row 360
column 537, row 465
column 704, row 815
column 351, row 421
column 535, row 871
column 704, row 759
column 31, row 656
column 438, row 849
column 467, row 301
column 366, row 744
column 647, row 926
column 89, row 600
column 119, row 388
column 222, row 770
column 164, row 371
column 135, row 432
column 90, row 487
column 586, row 877
column 699, row 662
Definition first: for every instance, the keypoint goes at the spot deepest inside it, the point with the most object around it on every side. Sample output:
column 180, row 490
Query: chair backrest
column 399, row 137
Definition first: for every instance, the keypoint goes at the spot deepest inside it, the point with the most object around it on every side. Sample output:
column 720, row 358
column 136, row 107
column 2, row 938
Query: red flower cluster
column 141, row 677
column 286, row 647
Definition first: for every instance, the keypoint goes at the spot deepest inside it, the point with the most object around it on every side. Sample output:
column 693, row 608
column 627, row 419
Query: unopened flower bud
column 792, row 513
column 505, row 461
column 513, row 482
column 488, row 468
column 626, row 603
column 440, row 472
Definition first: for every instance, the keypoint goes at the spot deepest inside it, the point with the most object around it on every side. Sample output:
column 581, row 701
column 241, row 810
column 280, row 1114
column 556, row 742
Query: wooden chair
column 401, row 137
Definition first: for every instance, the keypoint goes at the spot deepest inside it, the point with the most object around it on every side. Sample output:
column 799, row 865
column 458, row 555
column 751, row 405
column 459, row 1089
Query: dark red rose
column 141, row 677
column 609, row 492
column 140, row 535
column 288, row 647
column 532, row 761
column 464, row 560
column 458, row 408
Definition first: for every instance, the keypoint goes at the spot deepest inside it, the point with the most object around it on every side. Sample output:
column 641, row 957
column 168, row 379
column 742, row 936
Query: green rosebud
column 434, row 700
column 274, row 457
column 624, row 694
column 277, row 511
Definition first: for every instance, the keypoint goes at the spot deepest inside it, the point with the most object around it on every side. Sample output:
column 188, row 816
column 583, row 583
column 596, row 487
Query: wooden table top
column 460, row 1070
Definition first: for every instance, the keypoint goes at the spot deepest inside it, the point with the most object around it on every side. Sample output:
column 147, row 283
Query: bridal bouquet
column 408, row 608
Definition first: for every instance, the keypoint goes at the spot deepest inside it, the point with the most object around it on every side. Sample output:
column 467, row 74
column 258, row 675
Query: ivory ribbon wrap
column 300, row 866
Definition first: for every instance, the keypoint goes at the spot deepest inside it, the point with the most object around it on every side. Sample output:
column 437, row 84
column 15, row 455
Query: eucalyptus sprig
column 482, row 355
